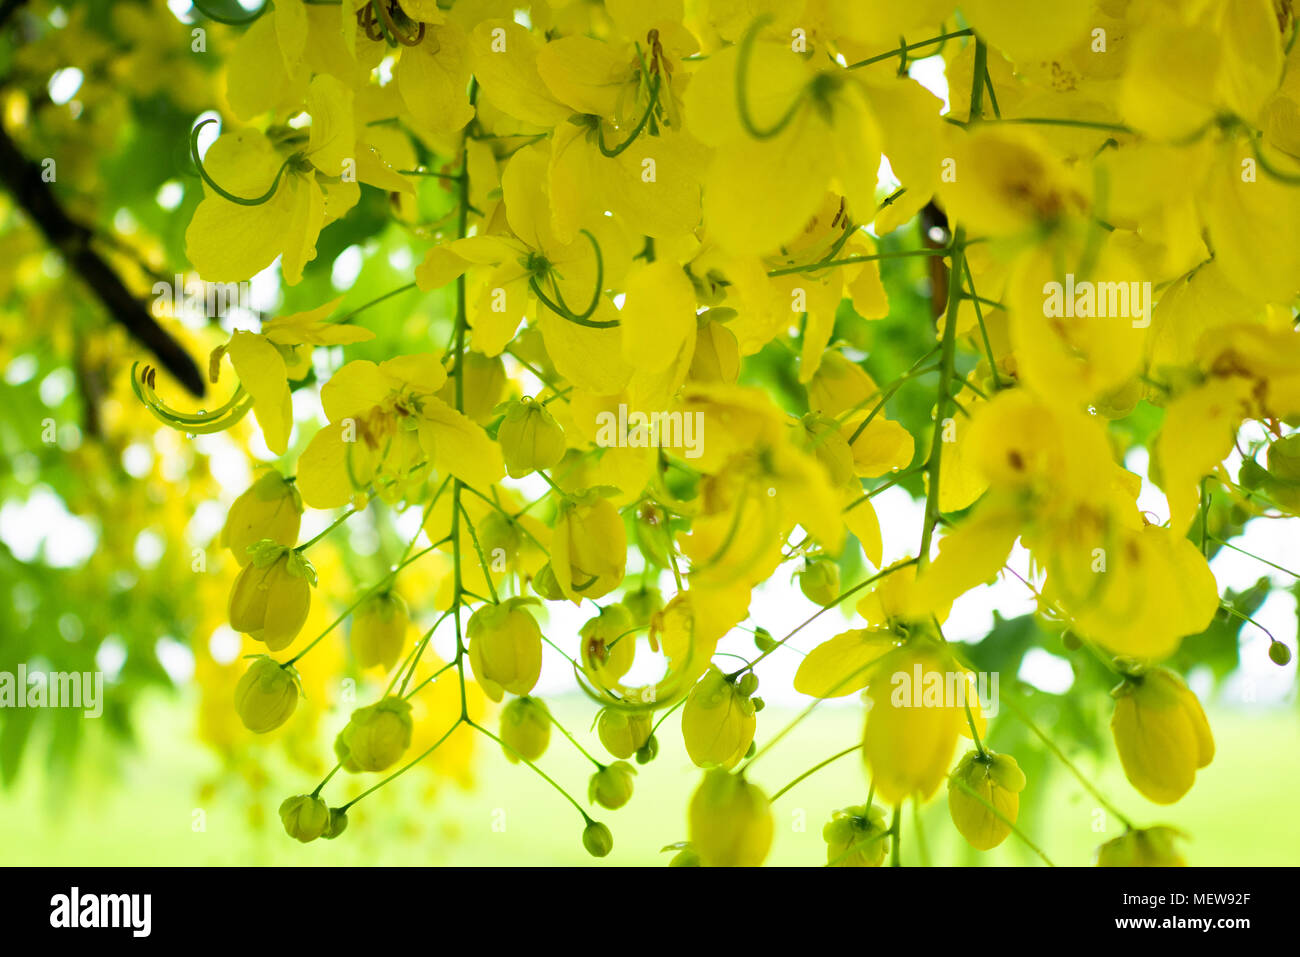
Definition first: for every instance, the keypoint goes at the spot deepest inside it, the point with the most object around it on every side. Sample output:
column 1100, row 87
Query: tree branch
column 73, row 240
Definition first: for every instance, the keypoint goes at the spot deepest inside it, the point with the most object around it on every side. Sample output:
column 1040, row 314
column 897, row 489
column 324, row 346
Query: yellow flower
column 1144, row 847
column 530, row 438
column 505, row 648
column 379, row 630
column 272, row 595
column 525, row 728
column 589, row 548
column 856, row 837
column 814, row 124
column 1161, row 734
column 387, row 422
column 611, row 787
column 623, row 732
column 266, row 695
column 730, row 821
column 267, row 362
column 231, row 242
column 376, row 736
column 914, row 718
column 978, row 781
column 304, row 817
column 717, row 722
column 842, row 665
column 270, row 508
column 608, row 645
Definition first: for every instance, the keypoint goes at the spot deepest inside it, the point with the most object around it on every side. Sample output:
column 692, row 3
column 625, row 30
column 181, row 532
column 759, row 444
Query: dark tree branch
column 74, row 241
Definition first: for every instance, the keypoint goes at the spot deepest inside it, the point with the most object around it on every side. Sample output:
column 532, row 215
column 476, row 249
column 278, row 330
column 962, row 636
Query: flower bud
column 270, row 508
column 499, row 535
column 685, row 856
column 642, row 604
column 820, row 581
column 1161, row 734
column 717, row 722
column 272, row 595
column 588, row 547
column 648, row 751
column 763, row 639
column 379, row 630
column 597, row 839
column 376, row 736
column 611, row 787
column 1284, row 458
column 980, row 781
column 1279, row 654
column 505, row 648
column 608, row 645
column 623, row 732
column 1144, row 847
column 266, row 695
column 730, row 821
column 546, row 584
column 530, row 438
column 856, row 837
column 525, row 728
column 748, row 683
column 305, row 817
column 337, row 825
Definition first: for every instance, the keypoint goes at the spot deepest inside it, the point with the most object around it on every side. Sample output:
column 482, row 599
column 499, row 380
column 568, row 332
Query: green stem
column 333, row 525
column 946, row 362
column 374, row 590
column 636, row 132
column 404, row 768
column 544, row 776
column 817, row 767
column 1060, row 756
column 908, row 48
column 850, row 260
column 896, row 829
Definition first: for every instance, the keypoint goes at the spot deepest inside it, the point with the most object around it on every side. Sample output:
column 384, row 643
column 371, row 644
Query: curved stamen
column 742, row 96
column 645, row 118
column 224, row 194
column 1280, row 175
column 561, row 308
column 217, row 420
column 392, row 30
column 231, row 21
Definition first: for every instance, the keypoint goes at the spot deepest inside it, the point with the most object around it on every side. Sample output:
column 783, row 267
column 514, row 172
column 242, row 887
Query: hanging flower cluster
column 650, row 198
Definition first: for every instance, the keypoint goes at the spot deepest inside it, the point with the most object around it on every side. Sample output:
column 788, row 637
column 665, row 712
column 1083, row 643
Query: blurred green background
column 139, row 808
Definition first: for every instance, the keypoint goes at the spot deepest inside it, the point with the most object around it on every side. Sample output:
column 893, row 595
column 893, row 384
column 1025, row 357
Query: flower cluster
column 650, row 200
